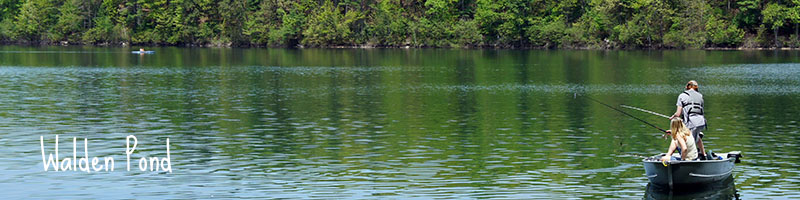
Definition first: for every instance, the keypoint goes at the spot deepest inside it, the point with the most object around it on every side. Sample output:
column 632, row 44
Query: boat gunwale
column 674, row 162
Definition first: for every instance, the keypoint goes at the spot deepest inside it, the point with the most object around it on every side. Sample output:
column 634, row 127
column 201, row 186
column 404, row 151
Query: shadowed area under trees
column 595, row 24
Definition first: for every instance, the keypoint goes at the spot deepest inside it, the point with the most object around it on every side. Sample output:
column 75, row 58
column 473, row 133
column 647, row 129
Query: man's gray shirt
column 692, row 103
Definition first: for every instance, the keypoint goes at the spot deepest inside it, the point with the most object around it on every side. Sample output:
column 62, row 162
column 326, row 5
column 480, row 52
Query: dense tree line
column 416, row 23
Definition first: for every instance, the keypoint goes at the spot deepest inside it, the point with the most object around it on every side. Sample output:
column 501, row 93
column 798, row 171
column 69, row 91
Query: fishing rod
column 643, row 110
column 623, row 112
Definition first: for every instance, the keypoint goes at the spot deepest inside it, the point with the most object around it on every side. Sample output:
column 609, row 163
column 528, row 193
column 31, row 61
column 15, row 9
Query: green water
column 386, row 123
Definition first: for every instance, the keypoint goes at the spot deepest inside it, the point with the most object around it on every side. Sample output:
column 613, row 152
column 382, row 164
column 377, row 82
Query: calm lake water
column 386, row 123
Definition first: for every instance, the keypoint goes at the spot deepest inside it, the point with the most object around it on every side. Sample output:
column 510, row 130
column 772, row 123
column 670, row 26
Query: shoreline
column 368, row 46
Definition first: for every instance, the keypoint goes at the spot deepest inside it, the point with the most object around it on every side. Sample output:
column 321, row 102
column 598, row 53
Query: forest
column 566, row 24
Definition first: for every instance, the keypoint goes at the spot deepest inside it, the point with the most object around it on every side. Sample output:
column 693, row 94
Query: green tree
column 647, row 25
column 201, row 22
column 108, row 25
column 68, row 25
column 9, row 8
column 749, row 14
column 547, row 32
column 435, row 23
column 774, row 17
column 442, row 10
column 34, row 16
column 293, row 19
column 8, row 12
column 793, row 14
column 169, row 21
column 723, row 33
column 387, row 25
column 233, row 20
column 327, row 26
column 687, row 25
column 261, row 22
column 504, row 21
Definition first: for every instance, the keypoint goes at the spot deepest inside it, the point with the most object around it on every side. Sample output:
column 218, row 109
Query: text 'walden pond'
column 105, row 164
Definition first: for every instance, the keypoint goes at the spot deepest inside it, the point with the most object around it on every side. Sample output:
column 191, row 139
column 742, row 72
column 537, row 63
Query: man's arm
column 681, row 98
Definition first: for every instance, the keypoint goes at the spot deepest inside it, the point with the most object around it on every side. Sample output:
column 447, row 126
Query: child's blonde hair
column 678, row 129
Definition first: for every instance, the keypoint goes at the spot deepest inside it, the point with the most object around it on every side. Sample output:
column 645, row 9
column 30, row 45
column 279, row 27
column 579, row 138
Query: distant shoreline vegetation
column 567, row 24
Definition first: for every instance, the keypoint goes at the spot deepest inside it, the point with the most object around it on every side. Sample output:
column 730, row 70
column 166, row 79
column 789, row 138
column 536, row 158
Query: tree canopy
column 416, row 23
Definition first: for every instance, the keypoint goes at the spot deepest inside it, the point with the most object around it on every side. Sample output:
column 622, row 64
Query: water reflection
column 388, row 123
column 725, row 189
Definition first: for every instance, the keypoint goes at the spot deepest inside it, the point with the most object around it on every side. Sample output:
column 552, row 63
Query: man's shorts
column 696, row 132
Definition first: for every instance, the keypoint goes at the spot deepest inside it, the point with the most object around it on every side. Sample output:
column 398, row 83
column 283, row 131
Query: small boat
column 674, row 174
column 144, row 52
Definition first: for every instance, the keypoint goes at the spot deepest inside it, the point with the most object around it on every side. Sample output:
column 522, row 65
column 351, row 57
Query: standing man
column 690, row 109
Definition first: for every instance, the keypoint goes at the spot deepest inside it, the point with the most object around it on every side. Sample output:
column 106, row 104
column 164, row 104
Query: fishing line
column 623, row 112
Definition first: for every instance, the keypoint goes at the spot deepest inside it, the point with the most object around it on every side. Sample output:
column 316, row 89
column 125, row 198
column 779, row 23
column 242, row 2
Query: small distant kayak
column 144, row 52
